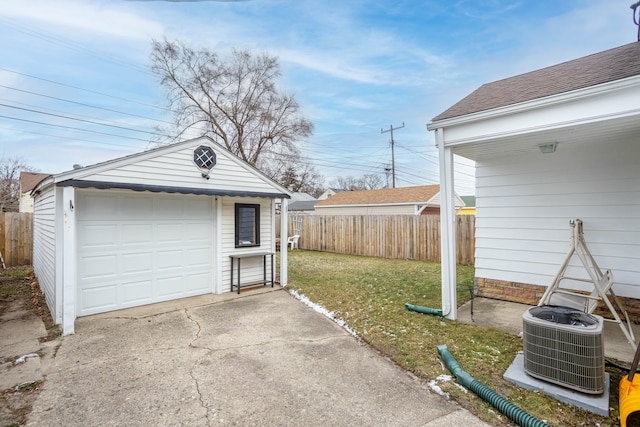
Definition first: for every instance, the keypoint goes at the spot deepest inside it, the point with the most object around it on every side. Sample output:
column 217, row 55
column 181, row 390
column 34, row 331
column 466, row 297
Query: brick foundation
column 531, row 294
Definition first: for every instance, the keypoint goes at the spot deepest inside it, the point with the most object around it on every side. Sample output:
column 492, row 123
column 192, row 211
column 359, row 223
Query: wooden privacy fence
column 386, row 236
column 16, row 238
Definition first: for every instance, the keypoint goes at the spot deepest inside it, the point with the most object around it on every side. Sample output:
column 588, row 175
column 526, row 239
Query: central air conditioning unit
column 564, row 346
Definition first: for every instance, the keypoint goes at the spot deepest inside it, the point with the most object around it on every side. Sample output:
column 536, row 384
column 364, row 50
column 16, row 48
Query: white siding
column 525, row 202
column 177, row 169
column 251, row 267
column 44, row 247
column 26, row 202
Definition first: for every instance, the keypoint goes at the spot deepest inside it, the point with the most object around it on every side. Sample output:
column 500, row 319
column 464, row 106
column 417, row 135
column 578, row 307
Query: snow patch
column 23, row 359
column 433, row 385
column 446, row 378
column 320, row 309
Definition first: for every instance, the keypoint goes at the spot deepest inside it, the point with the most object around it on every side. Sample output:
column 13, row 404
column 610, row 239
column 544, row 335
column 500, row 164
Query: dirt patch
column 20, row 296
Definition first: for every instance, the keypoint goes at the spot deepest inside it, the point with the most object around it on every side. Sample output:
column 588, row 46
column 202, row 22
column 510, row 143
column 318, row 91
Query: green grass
column 370, row 293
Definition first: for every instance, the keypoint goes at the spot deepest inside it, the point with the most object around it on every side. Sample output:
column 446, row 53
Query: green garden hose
column 423, row 310
column 521, row 417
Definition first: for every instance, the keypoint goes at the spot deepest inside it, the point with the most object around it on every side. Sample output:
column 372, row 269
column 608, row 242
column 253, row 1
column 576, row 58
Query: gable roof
column 420, row 194
column 302, row 197
column 28, row 180
column 603, row 67
column 139, row 172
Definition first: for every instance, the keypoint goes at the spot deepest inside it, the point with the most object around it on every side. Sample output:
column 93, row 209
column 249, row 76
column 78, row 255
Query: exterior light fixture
column 548, row 148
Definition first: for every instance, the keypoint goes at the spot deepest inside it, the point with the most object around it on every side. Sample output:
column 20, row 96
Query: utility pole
column 387, row 171
column 393, row 160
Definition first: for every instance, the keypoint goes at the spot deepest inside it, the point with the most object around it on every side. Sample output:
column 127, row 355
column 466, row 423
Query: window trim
column 256, row 208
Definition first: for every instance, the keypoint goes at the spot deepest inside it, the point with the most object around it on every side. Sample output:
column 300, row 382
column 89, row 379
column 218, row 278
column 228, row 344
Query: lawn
column 369, row 295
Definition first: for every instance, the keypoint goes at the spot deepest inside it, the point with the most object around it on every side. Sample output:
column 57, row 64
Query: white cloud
column 108, row 20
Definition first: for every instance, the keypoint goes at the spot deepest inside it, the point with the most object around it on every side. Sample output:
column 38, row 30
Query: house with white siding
column 329, row 192
column 28, row 180
column 154, row 226
column 549, row 146
column 419, row 200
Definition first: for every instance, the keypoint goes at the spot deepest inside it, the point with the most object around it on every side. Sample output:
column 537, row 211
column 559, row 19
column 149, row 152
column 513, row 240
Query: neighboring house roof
column 420, row 194
column 298, row 197
column 592, row 70
column 302, row 205
column 28, row 180
column 469, row 201
column 330, row 192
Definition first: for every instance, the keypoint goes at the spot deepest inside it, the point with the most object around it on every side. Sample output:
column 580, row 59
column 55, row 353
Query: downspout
column 284, row 235
column 447, row 228
column 423, row 310
column 521, row 417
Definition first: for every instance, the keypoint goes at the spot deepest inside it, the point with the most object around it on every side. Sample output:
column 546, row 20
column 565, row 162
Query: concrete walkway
column 23, row 357
column 263, row 358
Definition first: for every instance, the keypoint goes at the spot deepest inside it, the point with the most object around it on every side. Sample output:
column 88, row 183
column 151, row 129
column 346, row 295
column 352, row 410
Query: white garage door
column 141, row 248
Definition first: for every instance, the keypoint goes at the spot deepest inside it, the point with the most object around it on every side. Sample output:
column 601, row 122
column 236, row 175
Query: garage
column 151, row 227
column 136, row 249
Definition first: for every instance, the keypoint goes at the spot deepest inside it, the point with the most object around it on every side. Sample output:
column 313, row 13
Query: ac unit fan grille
column 570, row 356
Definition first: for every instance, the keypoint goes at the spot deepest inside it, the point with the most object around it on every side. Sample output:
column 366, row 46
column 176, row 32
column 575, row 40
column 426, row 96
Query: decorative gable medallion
column 204, row 157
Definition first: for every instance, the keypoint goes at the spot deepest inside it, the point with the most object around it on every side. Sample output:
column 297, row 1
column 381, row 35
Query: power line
column 72, row 128
column 82, row 120
column 68, row 138
column 84, row 104
column 425, row 156
column 85, row 90
column 71, row 45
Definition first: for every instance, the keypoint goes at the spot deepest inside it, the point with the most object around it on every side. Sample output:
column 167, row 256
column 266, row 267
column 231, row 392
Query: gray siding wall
column 525, row 203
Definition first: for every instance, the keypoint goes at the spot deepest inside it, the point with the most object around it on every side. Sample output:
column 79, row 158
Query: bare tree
column 311, row 181
column 234, row 101
column 371, row 182
column 10, row 168
column 302, row 177
column 365, row 182
column 345, row 183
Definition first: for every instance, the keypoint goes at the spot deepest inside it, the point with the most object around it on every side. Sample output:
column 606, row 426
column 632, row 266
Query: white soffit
column 592, row 115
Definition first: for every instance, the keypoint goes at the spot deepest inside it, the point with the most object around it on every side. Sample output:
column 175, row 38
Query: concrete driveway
column 259, row 359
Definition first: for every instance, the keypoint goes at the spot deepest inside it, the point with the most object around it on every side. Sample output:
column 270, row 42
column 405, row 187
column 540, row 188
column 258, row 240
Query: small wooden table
column 264, row 280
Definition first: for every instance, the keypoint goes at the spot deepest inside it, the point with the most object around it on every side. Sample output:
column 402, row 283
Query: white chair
column 292, row 242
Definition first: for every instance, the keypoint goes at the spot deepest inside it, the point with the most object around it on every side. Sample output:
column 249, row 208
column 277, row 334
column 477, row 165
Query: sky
column 76, row 85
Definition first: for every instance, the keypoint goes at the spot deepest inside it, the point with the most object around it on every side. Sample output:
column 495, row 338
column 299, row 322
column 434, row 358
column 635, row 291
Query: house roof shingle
column 28, row 180
column 603, row 67
column 422, row 194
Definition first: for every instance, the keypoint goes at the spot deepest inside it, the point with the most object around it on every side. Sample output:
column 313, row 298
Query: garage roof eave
column 101, row 185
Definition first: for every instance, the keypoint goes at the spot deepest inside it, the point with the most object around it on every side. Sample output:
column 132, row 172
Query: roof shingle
column 592, row 70
column 28, row 180
column 422, row 193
